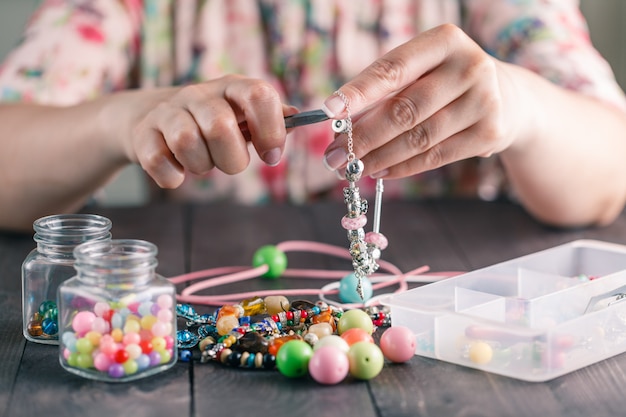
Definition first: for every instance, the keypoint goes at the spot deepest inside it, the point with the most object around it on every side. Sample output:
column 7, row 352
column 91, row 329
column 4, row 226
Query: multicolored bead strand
column 344, row 339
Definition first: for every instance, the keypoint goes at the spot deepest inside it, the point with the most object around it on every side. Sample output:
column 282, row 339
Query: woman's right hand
column 199, row 127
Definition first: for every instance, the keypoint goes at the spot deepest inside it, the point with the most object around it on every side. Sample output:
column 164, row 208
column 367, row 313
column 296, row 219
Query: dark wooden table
column 446, row 235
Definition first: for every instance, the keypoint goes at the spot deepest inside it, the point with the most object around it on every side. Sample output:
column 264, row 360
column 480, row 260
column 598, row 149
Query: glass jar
column 51, row 263
column 117, row 316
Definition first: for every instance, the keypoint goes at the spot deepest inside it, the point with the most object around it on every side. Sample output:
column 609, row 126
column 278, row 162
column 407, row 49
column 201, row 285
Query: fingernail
column 272, row 157
column 335, row 158
column 333, row 106
column 379, row 174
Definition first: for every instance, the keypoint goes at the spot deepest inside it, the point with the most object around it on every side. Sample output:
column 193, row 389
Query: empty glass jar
column 117, row 316
column 51, row 263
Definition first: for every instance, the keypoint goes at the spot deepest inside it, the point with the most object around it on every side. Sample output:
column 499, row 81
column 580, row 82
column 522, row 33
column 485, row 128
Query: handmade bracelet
column 365, row 249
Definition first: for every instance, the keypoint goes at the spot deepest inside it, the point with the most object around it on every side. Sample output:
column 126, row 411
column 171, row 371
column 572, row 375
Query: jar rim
column 116, row 253
column 71, row 225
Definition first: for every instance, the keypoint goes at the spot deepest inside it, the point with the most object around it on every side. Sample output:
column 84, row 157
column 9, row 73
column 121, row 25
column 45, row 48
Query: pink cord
column 214, row 277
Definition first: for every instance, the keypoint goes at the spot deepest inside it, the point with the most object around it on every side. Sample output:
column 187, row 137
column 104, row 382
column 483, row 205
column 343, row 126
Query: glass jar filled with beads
column 117, row 315
column 50, row 264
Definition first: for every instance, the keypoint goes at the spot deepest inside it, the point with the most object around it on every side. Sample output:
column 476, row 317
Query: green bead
column 355, row 318
column 84, row 345
column 46, row 306
column 366, row 360
column 292, row 359
column 84, row 360
column 275, row 259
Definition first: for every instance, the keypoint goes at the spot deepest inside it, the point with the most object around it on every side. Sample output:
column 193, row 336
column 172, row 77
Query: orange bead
column 275, row 344
column 234, row 310
column 356, row 334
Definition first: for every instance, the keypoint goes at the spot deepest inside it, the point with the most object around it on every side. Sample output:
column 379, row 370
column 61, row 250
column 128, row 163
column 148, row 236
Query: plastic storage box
column 533, row 318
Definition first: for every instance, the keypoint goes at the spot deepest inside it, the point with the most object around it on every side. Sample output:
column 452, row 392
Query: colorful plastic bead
column 292, row 359
column 275, row 259
column 356, row 334
column 480, row 352
column 348, row 292
column 355, row 318
column 333, row 340
column 398, row 344
column 366, row 360
column 329, row 365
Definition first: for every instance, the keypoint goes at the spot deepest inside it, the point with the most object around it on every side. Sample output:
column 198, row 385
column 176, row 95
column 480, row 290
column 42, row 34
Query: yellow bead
column 480, row 353
column 132, row 326
column 253, row 306
column 148, row 321
column 94, row 338
column 117, row 335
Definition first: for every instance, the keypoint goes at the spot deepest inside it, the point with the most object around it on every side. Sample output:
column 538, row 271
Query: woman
column 97, row 84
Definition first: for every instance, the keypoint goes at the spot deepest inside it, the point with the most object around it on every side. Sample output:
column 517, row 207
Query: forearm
column 567, row 165
column 53, row 159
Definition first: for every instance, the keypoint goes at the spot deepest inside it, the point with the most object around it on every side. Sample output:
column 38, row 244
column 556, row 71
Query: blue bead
column 186, row 339
column 49, row 326
column 348, row 292
column 185, row 355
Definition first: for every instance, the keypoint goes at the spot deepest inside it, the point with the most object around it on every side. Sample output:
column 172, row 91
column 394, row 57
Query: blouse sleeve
column 550, row 38
column 71, row 51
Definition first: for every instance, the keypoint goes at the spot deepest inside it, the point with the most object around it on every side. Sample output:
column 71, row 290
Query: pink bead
column 329, row 365
column 131, row 339
column 377, row 239
column 165, row 315
column 169, row 342
column 108, row 347
column 101, row 308
column 82, row 322
column 350, row 223
column 398, row 344
column 102, row 362
column 100, row 325
column 165, row 301
column 159, row 329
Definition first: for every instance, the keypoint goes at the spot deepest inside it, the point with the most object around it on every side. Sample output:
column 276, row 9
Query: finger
column 398, row 68
column 184, row 139
column 260, row 105
column 225, row 144
column 156, row 159
column 453, row 134
column 401, row 113
column 458, row 147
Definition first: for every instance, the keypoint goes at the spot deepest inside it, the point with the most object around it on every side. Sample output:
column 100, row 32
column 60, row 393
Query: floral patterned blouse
column 76, row 50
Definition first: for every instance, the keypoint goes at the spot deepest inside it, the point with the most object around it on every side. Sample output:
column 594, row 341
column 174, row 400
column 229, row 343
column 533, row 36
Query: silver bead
column 351, row 194
column 339, row 126
column 358, row 234
column 374, row 252
column 354, row 169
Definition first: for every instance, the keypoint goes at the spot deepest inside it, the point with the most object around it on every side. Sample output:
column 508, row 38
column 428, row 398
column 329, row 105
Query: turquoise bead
column 348, row 292
column 275, row 259
column 292, row 359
